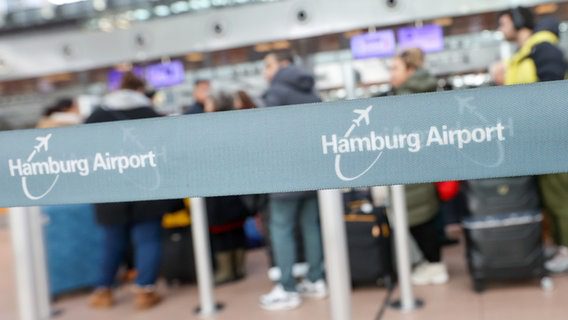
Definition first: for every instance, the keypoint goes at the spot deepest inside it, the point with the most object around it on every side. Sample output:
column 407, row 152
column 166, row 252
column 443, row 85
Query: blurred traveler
column 124, row 222
column 243, row 101
column 292, row 85
column 65, row 112
column 408, row 76
column 227, row 217
column 540, row 59
column 201, row 91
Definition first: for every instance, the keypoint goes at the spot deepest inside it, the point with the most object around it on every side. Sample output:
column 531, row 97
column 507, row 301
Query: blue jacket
column 291, row 85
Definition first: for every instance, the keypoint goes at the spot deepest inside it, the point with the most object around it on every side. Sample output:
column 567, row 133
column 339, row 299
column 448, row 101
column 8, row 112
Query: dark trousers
column 427, row 239
column 146, row 240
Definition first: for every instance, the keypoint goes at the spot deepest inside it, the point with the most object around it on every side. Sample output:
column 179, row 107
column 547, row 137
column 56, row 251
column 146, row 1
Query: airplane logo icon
column 43, row 143
column 363, row 115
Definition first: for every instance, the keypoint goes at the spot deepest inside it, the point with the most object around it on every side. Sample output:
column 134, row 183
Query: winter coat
column 539, row 59
column 421, row 199
column 127, row 105
column 291, row 85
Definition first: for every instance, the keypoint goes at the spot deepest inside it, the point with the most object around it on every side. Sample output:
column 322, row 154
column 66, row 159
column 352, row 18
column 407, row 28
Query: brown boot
column 224, row 272
column 146, row 299
column 101, row 299
column 239, row 260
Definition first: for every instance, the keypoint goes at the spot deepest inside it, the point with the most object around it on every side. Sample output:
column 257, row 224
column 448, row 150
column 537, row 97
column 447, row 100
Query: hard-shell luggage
column 487, row 197
column 503, row 230
column 504, row 247
column 178, row 262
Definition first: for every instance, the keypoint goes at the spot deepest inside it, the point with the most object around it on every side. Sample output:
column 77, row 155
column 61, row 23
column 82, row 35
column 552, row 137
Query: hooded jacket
column 421, row 199
column 291, row 85
column 128, row 105
column 539, row 59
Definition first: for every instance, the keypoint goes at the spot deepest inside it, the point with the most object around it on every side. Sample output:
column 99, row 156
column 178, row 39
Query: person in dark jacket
column 122, row 222
column 201, row 91
column 540, row 59
column 408, row 76
column 291, row 85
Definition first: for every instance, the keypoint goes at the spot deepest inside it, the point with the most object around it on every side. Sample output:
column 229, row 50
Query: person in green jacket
column 407, row 77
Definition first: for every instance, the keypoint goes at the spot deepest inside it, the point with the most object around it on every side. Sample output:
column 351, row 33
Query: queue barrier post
column 336, row 256
column 26, row 231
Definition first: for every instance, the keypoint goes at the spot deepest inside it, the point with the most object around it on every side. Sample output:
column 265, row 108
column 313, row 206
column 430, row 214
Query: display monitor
column 373, row 45
column 429, row 38
column 159, row 75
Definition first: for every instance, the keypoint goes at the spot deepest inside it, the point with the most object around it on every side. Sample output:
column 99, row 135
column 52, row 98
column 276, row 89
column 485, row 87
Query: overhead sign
column 373, row 45
column 468, row 134
column 429, row 38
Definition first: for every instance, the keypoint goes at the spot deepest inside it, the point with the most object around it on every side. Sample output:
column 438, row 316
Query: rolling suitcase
column 178, row 263
column 368, row 240
column 504, row 247
column 503, row 230
column 487, row 197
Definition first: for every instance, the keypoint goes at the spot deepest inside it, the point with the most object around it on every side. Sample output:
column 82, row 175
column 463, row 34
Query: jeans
column 146, row 240
column 283, row 217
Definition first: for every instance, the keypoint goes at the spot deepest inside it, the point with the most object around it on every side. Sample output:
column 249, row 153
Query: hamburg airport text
column 437, row 136
column 83, row 167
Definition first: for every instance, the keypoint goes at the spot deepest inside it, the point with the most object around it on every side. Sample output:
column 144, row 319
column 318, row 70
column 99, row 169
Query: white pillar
column 202, row 256
column 26, row 229
column 336, row 256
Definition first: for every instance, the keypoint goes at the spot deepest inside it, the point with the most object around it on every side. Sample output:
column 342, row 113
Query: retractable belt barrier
column 468, row 134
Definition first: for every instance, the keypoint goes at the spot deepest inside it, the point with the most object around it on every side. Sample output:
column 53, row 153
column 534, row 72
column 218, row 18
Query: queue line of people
column 538, row 59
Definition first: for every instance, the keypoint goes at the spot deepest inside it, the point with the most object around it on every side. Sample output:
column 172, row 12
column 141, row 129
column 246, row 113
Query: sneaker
column 317, row 290
column 430, row 273
column 146, row 298
column 280, row 299
column 559, row 263
column 101, row 299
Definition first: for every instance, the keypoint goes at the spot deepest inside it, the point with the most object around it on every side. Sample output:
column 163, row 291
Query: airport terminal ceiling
column 121, row 37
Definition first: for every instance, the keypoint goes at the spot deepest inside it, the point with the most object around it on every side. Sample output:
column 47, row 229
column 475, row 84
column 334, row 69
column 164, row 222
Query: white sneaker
column 430, row 273
column 280, row 299
column 559, row 263
column 317, row 290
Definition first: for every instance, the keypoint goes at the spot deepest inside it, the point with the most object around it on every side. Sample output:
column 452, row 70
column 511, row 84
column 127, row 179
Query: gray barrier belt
column 468, row 134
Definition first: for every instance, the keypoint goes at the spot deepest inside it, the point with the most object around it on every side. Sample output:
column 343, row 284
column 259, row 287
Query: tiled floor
column 520, row 301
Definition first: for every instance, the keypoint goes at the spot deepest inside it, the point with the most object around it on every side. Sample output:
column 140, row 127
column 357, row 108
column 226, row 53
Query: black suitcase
column 368, row 241
column 504, row 247
column 178, row 263
column 487, row 197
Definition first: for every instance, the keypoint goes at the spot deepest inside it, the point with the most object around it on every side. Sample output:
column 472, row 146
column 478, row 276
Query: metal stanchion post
column 40, row 262
column 29, row 256
column 203, row 258
column 335, row 247
column 407, row 301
